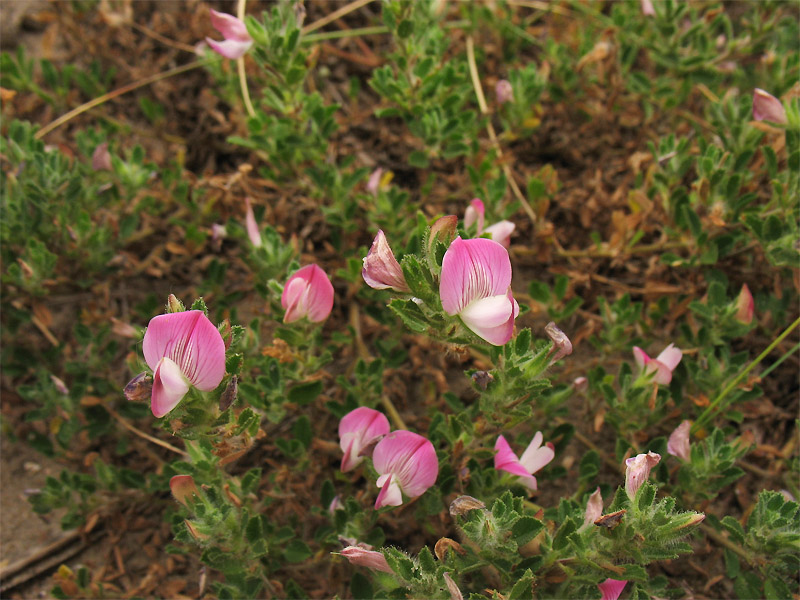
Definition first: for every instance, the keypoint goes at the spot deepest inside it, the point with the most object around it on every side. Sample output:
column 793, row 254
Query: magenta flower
column 183, row 349
column 381, row 269
column 767, row 107
column 407, row 464
column 745, row 306
column 237, row 40
column 504, row 91
column 637, row 470
column 678, row 443
column 366, row 558
column 611, row 588
column 663, row 365
column 476, row 285
column 307, row 293
column 500, row 232
column 253, row 231
column 534, row 458
column 359, row 431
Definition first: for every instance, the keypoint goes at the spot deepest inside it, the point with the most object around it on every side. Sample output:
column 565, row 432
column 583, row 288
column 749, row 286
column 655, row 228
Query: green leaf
column 523, row 588
column 525, row 529
column 405, row 29
column 305, row 393
column 297, row 551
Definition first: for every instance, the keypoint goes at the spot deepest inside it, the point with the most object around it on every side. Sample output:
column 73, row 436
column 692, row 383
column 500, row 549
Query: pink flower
column 60, row 385
column 534, row 458
column 745, row 306
column 407, row 464
column 612, row 588
column 594, row 508
column 663, row 365
column 183, row 349
column 500, row 232
column 637, row 470
column 381, row 269
column 648, row 10
column 237, row 40
column 503, row 91
column 307, row 293
column 359, row 431
column 767, row 107
column 366, row 558
column 253, row 231
column 374, row 181
column 475, row 284
column 678, row 443
column 581, row 384
column 183, row 488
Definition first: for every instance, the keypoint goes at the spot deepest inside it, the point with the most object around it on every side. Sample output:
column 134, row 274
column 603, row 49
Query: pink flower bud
column 60, row 385
column 594, row 508
column 561, row 345
column 174, row 305
column 183, row 488
column 218, row 233
column 475, row 213
column 101, row 158
column 745, row 306
column 581, row 384
column 678, row 444
column 612, row 588
column 253, row 231
column 443, row 230
column 638, row 470
column 767, row 107
column 307, row 293
column 374, row 181
column 381, row 269
column 359, row 431
column 504, row 91
column 475, row 284
column 407, row 464
column 648, row 10
column 663, row 365
column 366, row 558
column 533, row 459
column 237, row 40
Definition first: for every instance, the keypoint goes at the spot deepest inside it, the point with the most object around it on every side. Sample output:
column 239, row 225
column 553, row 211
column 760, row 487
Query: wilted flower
column 767, row 107
column 182, row 349
column 637, row 470
column 381, row 269
column 745, row 306
column 374, row 181
column 503, row 91
column 359, row 431
column 475, row 284
column 678, row 444
column 237, row 40
column 534, row 458
column 183, row 488
column 406, row 463
column 253, row 231
column 500, row 232
column 463, row 504
column 101, row 158
column 594, row 508
column 307, row 293
column 611, row 588
column 561, row 345
column 139, row 389
column 663, row 365
column 366, row 558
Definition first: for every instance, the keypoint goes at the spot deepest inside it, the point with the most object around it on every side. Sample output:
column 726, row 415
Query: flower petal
column 359, row 430
column 230, row 27
column 506, row 460
column 611, row 588
column 501, row 232
column 678, row 443
column 169, row 387
column 390, row 494
column 670, row 357
column 409, row 458
column 471, row 270
column 663, row 375
column 253, row 231
column 537, row 456
column 640, row 356
column 767, row 107
column 381, row 269
column 492, row 318
column 475, row 212
column 307, row 293
column 229, row 48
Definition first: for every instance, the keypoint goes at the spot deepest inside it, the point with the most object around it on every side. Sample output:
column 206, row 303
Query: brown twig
column 335, row 15
column 144, row 435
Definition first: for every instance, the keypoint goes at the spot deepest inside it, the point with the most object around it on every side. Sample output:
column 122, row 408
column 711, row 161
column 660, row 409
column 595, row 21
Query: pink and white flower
column 500, row 232
column 407, row 464
column 637, row 470
column 533, row 459
column 475, row 284
column 184, row 349
column 253, row 231
column 371, row 559
column 381, row 269
column 307, row 293
column 663, row 365
column 612, row 588
column 767, row 107
column 745, row 306
column 678, row 443
column 359, row 431
column 237, row 40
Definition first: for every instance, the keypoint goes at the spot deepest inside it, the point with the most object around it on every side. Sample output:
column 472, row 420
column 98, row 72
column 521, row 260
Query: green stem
column 374, row 30
column 736, row 380
column 240, row 67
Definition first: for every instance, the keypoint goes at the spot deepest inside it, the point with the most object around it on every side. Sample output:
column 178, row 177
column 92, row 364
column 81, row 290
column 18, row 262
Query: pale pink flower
column 648, row 10
column 745, row 306
column 663, row 365
column 219, row 233
column 60, row 385
column 371, row 559
column 475, row 284
column 533, row 459
column 500, row 232
column 101, row 158
column 581, row 384
column 503, row 91
column 359, row 431
column 637, row 470
column 237, row 40
column 253, row 232
column 307, row 293
column 594, row 508
column 182, row 349
column 767, row 107
column 183, row 488
column 678, row 444
column 561, row 345
column 611, row 588
column 407, row 464
column 381, row 269
column 374, row 181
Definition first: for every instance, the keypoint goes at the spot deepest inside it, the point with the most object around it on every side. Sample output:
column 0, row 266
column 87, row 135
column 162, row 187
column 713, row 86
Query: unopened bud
column 200, row 537
column 183, row 489
column 101, row 158
column 139, row 389
column 561, row 345
column 581, row 384
column 228, row 397
column 482, row 379
column 745, row 306
column 504, row 91
column 443, row 230
column 174, row 305
column 692, row 520
column 463, row 504
column 444, row 544
column 60, row 385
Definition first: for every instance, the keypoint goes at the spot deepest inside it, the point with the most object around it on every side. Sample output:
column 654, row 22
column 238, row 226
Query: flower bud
column 745, row 306
column 638, row 470
column 504, row 91
column 612, row 588
column 307, row 293
column 561, row 345
column 678, row 444
column 101, row 158
column 443, row 230
column 174, row 305
column 594, row 508
column 183, row 489
column 253, row 231
column 455, row 593
column 374, row 181
column 381, row 270
column 60, row 385
column 228, row 397
column 367, row 558
column 581, row 384
column 482, row 379
column 139, row 389
column 237, row 41
column 767, row 107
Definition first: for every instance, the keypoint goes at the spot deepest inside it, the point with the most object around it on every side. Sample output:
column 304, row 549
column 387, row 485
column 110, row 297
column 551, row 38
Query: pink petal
column 374, row 182
column 381, row 269
column 504, row 91
column 670, row 357
column 767, row 107
column 101, row 158
column 647, row 7
column 366, row 558
column 390, row 494
column 640, row 356
column 475, row 212
column 637, row 470
column 663, row 375
column 408, row 457
column 253, row 231
column 501, row 232
column 678, row 444
column 612, row 588
column 230, row 27
column 229, row 48
column 359, row 430
column 169, row 387
column 537, row 456
column 307, row 293
column 594, row 507
column 745, row 306
column 506, row 460
column 471, row 270
column 190, row 340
